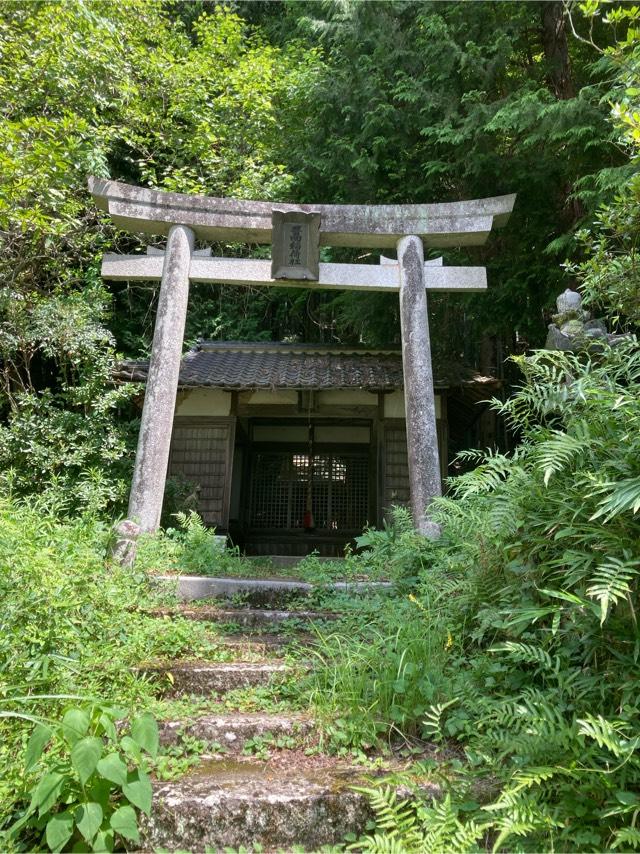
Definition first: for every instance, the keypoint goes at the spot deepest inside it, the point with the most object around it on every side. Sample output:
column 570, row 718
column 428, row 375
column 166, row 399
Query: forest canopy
column 308, row 102
column 508, row 646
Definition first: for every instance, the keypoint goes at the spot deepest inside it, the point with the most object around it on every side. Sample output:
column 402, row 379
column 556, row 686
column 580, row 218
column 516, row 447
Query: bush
column 528, row 602
column 73, row 628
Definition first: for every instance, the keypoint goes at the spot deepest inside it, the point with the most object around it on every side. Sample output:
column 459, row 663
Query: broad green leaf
column 144, row 731
column 75, row 724
column 46, row 792
column 125, row 822
column 99, row 791
column 138, row 790
column 85, row 755
column 131, row 748
column 628, row 798
column 112, row 768
column 40, row 737
column 89, row 818
column 59, row 830
column 104, row 841
column 108, row 726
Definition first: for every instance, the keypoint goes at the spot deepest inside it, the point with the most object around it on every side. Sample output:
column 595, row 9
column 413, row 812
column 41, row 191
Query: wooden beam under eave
column 255, row 273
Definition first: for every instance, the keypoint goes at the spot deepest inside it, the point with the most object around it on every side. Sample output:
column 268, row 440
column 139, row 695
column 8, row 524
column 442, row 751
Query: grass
column 192, row 549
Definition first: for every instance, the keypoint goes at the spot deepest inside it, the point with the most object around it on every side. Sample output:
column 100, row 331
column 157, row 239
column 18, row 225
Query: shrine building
column 294, row 448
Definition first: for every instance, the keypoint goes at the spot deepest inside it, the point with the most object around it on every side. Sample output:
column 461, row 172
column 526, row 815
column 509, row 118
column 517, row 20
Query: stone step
column 289, row 561
column 262, row 592
column 247, row 617
column 233, row 731
column 204, row 677
column 236, row 803
column 262, row 644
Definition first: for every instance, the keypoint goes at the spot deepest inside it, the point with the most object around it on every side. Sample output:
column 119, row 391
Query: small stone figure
column 124, row 542
column 573, row 329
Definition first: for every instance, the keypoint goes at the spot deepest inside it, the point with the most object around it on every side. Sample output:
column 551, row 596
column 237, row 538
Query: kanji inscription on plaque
column 295, row 238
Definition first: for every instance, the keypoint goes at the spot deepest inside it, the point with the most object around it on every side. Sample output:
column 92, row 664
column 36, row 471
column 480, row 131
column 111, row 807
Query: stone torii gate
column 295, row 232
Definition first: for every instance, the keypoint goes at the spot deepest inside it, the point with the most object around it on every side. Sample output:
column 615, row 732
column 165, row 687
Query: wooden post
column 420, row 408
column 152, row 456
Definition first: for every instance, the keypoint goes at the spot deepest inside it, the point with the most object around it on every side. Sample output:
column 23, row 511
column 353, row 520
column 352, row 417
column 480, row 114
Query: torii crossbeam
column 185, row 218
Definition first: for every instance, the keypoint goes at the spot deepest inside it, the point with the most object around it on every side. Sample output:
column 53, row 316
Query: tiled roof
column 255, row 365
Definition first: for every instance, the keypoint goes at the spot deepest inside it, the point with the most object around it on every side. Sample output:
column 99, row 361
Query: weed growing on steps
column 378, row 671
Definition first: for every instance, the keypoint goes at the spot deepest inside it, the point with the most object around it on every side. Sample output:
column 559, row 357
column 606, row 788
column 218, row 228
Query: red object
column 307, row 521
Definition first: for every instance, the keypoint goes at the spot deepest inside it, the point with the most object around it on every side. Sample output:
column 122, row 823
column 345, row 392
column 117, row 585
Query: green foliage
column 87, row 788
column 434, row 101
column 72, row 628
column 135, row 92
column 410, row 827
column 378, row 673
column 608, row 271
column 192, row 549
column 530, row 597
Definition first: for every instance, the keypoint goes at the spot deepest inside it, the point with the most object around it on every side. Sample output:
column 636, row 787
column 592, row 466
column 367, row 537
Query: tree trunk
column 556, row 50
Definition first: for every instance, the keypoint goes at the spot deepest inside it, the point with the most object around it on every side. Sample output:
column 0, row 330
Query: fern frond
column 527, row 653
column 611, row 582
column 558, row 452
column 609, row 734
column 530, row 777
column 627, row 837
column 622, row 495
column 433, row 720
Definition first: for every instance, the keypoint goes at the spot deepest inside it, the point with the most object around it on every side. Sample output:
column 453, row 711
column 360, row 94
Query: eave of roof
column 246, row 366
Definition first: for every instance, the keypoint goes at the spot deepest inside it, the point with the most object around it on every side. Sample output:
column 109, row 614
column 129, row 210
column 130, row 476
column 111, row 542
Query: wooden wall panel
column 202, row 453
column 395, row 467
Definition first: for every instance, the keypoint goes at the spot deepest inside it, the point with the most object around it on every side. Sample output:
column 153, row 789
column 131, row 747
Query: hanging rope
column 309, row 522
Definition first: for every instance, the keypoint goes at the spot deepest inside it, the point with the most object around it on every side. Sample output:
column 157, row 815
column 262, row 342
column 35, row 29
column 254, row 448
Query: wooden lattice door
column 339, row 490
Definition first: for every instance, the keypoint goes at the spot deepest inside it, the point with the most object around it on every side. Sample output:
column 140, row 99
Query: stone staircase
column 283, row 794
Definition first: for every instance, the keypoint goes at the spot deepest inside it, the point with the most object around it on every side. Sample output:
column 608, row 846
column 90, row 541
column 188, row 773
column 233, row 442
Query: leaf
column 59, row 830
column 138, row 790
column 89, row 818
column 46, row 792
column 627, row 798
column 75, row 724
column 108, row 726
column 131, row 748
column 144, row 731
column 85, row 755
column 124, row 821
column 112, row 768
column 611, row 582
column 40, row 737
column 99, row 791
column 104, row 841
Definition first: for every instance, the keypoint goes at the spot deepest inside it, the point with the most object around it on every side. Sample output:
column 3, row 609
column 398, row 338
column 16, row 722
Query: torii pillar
column 154, row 439
column 419, row 397
column 184, row 217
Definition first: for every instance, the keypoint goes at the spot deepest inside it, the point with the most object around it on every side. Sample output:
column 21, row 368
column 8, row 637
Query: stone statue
column 573, row 329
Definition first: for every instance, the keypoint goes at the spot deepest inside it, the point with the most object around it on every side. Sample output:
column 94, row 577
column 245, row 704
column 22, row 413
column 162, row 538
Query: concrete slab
column 257, row 590
column 237, row 803
column 247, row 617
column 233, row 731
column 234, row 804
column 204, row 677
